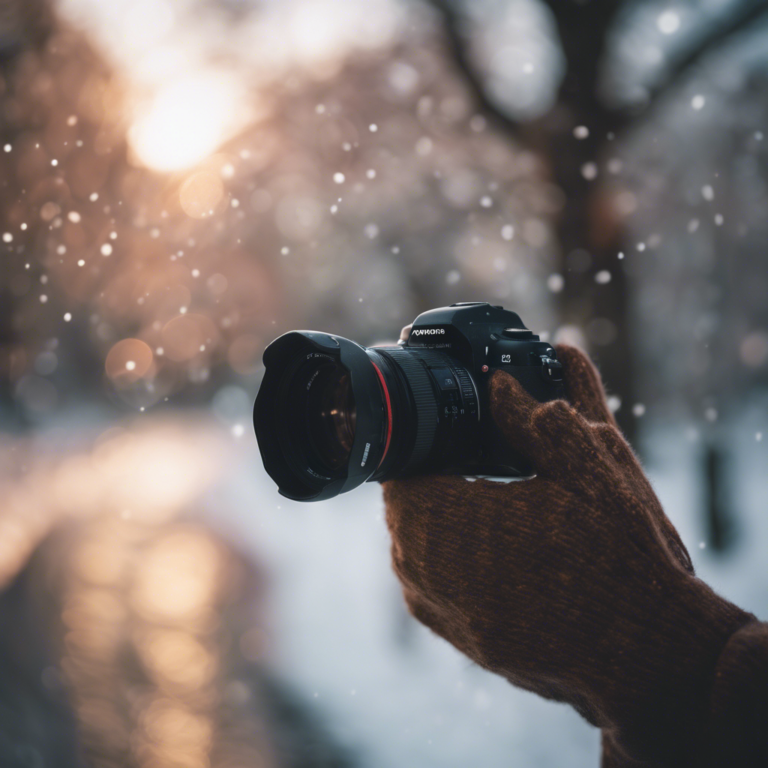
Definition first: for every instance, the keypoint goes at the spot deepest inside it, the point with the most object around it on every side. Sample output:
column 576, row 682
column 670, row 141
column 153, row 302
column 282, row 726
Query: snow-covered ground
column 385, row 685
column 740, row 575
column 339, row 633
column 395, row 692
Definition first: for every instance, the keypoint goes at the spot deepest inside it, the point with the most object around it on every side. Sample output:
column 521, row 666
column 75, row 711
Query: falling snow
column 555, row 283
column 474, row 215
column 603, row 277
column 668, row 22
column 698, row 102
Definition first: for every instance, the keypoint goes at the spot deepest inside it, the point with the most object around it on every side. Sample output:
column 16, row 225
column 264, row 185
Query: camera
column 331, row 414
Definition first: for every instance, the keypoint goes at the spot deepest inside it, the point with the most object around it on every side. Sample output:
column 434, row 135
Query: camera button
column 551, row 370
column 445, row 379
column 517, row 333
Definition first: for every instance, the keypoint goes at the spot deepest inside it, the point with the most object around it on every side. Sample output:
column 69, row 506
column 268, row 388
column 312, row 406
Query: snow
column 740, row 575
column 668, row 22
column 395, row 691
column 337, row 628
column 555, row 282
column 603, row 277
column 341, row 635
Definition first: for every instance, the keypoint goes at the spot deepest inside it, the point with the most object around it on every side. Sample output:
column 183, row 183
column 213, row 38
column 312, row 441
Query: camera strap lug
column 551, row 370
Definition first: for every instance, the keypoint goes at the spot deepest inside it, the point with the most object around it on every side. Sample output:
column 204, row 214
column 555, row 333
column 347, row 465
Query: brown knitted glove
column 574, row 584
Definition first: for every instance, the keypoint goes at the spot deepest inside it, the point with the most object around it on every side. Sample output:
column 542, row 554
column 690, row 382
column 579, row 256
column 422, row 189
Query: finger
column 625, row 458
column 445, row 621
column 583, row 385
column 553, row 435
column 511, row 409
column 418, row 509
column 620, row 450
column 676, row 545
column 426, row 612
column 440, row 520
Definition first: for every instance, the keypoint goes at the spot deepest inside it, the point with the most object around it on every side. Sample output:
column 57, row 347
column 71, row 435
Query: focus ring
column 468, row 391
column 425, row 404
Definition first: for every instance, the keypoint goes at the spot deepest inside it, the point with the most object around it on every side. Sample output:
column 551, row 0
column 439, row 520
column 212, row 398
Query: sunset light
column 186, row 121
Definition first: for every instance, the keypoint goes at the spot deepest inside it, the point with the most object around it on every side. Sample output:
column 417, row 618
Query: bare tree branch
column 458, row 51
column 457, row 45
column 714, row 39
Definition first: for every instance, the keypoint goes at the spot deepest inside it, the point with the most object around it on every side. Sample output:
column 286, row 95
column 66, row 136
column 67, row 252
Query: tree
column 590, row 221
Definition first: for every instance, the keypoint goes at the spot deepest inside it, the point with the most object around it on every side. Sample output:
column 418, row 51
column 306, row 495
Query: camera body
column 331, row 414
column 481, row 338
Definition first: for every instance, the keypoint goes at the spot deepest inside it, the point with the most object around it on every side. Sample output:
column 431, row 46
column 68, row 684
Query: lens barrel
column 331, row 414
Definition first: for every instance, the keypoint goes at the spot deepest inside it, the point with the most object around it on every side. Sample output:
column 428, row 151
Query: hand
column 574, row 584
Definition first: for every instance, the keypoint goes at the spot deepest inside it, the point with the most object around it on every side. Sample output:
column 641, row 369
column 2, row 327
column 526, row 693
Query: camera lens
column 321, row 418
column 331, row 414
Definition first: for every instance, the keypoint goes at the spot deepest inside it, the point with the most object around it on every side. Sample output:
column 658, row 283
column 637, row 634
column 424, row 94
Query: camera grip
column 497, row 458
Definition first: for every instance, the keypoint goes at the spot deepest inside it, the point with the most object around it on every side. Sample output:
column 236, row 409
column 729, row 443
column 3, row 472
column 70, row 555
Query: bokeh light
column 187, row 120
column 183, row 181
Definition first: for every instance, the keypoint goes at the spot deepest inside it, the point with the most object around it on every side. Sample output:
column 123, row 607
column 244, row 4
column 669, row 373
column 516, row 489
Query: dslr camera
column 331, row 414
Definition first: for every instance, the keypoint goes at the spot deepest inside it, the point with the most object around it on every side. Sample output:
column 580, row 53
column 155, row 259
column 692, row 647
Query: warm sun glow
column 186, row 121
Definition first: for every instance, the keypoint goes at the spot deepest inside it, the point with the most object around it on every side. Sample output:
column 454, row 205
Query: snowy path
column 388, row 687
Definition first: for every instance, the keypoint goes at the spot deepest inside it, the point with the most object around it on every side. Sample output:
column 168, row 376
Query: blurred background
column 183, row 180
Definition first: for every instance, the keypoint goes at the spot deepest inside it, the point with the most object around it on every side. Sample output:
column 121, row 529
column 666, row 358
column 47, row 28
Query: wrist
column 660, row 717
column 739, row 700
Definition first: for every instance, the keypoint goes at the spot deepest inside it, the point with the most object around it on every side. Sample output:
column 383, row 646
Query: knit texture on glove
column 574, row 584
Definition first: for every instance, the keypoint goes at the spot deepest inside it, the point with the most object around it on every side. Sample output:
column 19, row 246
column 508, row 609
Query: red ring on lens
column 389, row 412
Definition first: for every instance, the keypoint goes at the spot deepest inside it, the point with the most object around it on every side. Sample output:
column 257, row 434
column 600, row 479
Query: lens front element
column 331, row 415
column 320, row 416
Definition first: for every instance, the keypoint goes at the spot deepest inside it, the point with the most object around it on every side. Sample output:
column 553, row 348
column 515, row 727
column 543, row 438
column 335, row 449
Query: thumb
column 583, row 386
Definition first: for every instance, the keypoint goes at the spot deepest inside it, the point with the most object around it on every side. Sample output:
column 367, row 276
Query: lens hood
column 281, row 429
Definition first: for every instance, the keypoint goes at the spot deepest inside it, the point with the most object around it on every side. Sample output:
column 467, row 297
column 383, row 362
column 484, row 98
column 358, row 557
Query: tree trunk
column 590, row 234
